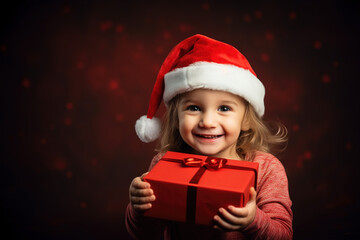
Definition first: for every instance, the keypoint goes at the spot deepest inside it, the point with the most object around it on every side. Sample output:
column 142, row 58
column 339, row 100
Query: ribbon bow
column 210, row 162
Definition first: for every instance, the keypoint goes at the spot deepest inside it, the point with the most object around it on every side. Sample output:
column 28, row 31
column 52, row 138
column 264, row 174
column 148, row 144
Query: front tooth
column 209, row 137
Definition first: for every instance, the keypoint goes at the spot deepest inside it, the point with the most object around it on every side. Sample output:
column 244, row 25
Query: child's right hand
column 140, row 194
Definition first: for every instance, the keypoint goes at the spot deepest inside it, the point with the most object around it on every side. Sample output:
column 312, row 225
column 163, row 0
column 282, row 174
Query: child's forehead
column 198, row 94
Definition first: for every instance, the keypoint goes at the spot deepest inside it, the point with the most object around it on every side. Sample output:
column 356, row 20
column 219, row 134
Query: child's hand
column 237, row 218
column 140, row 194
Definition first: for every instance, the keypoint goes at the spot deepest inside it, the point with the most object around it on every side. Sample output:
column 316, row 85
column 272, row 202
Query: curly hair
column 261, row 136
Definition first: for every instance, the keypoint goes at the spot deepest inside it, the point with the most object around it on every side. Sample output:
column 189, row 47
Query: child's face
column 211, row 121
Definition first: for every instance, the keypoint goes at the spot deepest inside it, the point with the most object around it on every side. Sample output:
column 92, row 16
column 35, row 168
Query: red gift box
column 191, row 188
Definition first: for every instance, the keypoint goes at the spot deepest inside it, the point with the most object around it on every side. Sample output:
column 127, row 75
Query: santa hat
column 201, row 62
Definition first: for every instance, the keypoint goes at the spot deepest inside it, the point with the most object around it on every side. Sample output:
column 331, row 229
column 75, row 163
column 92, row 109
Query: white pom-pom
column 147, row 129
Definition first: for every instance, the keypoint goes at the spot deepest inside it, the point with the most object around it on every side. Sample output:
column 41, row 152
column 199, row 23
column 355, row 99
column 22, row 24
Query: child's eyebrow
column 186, row 100
column 230, row 102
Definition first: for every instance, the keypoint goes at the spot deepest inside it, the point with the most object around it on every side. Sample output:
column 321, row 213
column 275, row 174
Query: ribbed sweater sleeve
column 139, row 226
column 273, row 219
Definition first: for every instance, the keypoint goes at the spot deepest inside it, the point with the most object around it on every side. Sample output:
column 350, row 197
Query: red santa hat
column 201, row 62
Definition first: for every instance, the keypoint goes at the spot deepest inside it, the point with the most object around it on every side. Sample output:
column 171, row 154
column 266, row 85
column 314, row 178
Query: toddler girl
column 215, row 104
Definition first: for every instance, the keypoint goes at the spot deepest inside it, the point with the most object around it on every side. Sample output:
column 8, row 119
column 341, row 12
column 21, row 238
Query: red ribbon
column 211, row 163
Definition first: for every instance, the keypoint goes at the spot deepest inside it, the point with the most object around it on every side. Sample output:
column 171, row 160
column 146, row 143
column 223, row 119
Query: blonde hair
column 261, row 136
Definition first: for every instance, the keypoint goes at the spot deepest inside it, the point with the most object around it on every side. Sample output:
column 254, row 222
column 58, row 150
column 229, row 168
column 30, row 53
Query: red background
column 75, row 76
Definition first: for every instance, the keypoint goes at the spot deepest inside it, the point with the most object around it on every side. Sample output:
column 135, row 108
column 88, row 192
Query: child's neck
column 234, row 156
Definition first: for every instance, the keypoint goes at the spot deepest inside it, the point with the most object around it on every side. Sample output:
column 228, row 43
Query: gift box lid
column 171, row 169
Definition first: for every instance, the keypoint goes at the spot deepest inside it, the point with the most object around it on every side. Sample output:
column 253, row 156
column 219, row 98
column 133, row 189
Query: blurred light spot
column 247, row 18
column 3, row 48
column 322, row 188
column 336, row 64
column 43, row 141
column 106, row 25
column 55, row 222
column 185, row 27
column 69, row 106
column 292, row 15
column 166, row 35
column 269, row 36
column 80, row 65
column 119, row 117
column 307, row 155
column 119, row 28
column 205, row 6
column 25, row 83
column 228, row 20
column 348, row 146
column 140, row 46
column 66, row 9
column 295, row 127
column 69, row 174
column 330, row 205
column 317, row 44
column 326, row 78
column 68, row 121
column 60, row 164
column 94, row 161
column 341, row 201
column 159, row 50
column 113, row 85
column 265, row 57
column 114, row 207
column 299, row 162
column 83, row 204
column 137, row 56
column 258, row 14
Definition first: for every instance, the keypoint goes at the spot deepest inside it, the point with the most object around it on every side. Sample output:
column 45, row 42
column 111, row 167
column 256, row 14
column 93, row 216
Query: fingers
column 221, row 224
column 234, row 218
column 234, row 212
column 142, row 207
column 231, row 219
column 142, row 199
column 139, row 183
column 143, row 175
column 142, row 203
column 139, row 188
column 140, row 191
column 252, row 195
column 140, row 194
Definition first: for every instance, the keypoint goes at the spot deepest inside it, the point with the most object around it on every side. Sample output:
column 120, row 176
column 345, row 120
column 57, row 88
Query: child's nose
column 208, row 120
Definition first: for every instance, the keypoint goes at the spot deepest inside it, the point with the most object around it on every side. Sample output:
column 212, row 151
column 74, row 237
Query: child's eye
column 193, row 108
column 224, row 108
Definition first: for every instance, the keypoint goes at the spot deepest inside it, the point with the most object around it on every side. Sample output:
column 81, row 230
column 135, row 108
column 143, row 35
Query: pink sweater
column 273, row 219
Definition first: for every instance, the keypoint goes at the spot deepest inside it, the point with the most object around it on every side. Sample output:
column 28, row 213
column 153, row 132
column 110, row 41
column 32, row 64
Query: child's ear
column 245, row 125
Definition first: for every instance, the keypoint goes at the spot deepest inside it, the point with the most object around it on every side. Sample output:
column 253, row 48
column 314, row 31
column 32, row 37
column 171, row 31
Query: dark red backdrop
column 75, row 75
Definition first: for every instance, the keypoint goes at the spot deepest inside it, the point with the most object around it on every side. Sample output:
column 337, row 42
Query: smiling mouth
column 208, row 136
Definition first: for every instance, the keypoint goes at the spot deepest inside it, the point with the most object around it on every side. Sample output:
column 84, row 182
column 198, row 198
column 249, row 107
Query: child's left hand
column 234, row 218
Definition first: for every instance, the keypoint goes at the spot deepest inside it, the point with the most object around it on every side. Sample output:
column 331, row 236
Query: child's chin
column 208, row 153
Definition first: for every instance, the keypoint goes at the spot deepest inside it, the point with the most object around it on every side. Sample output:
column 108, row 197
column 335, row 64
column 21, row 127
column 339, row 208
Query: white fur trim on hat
column 148, row 129
column 215, row 76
